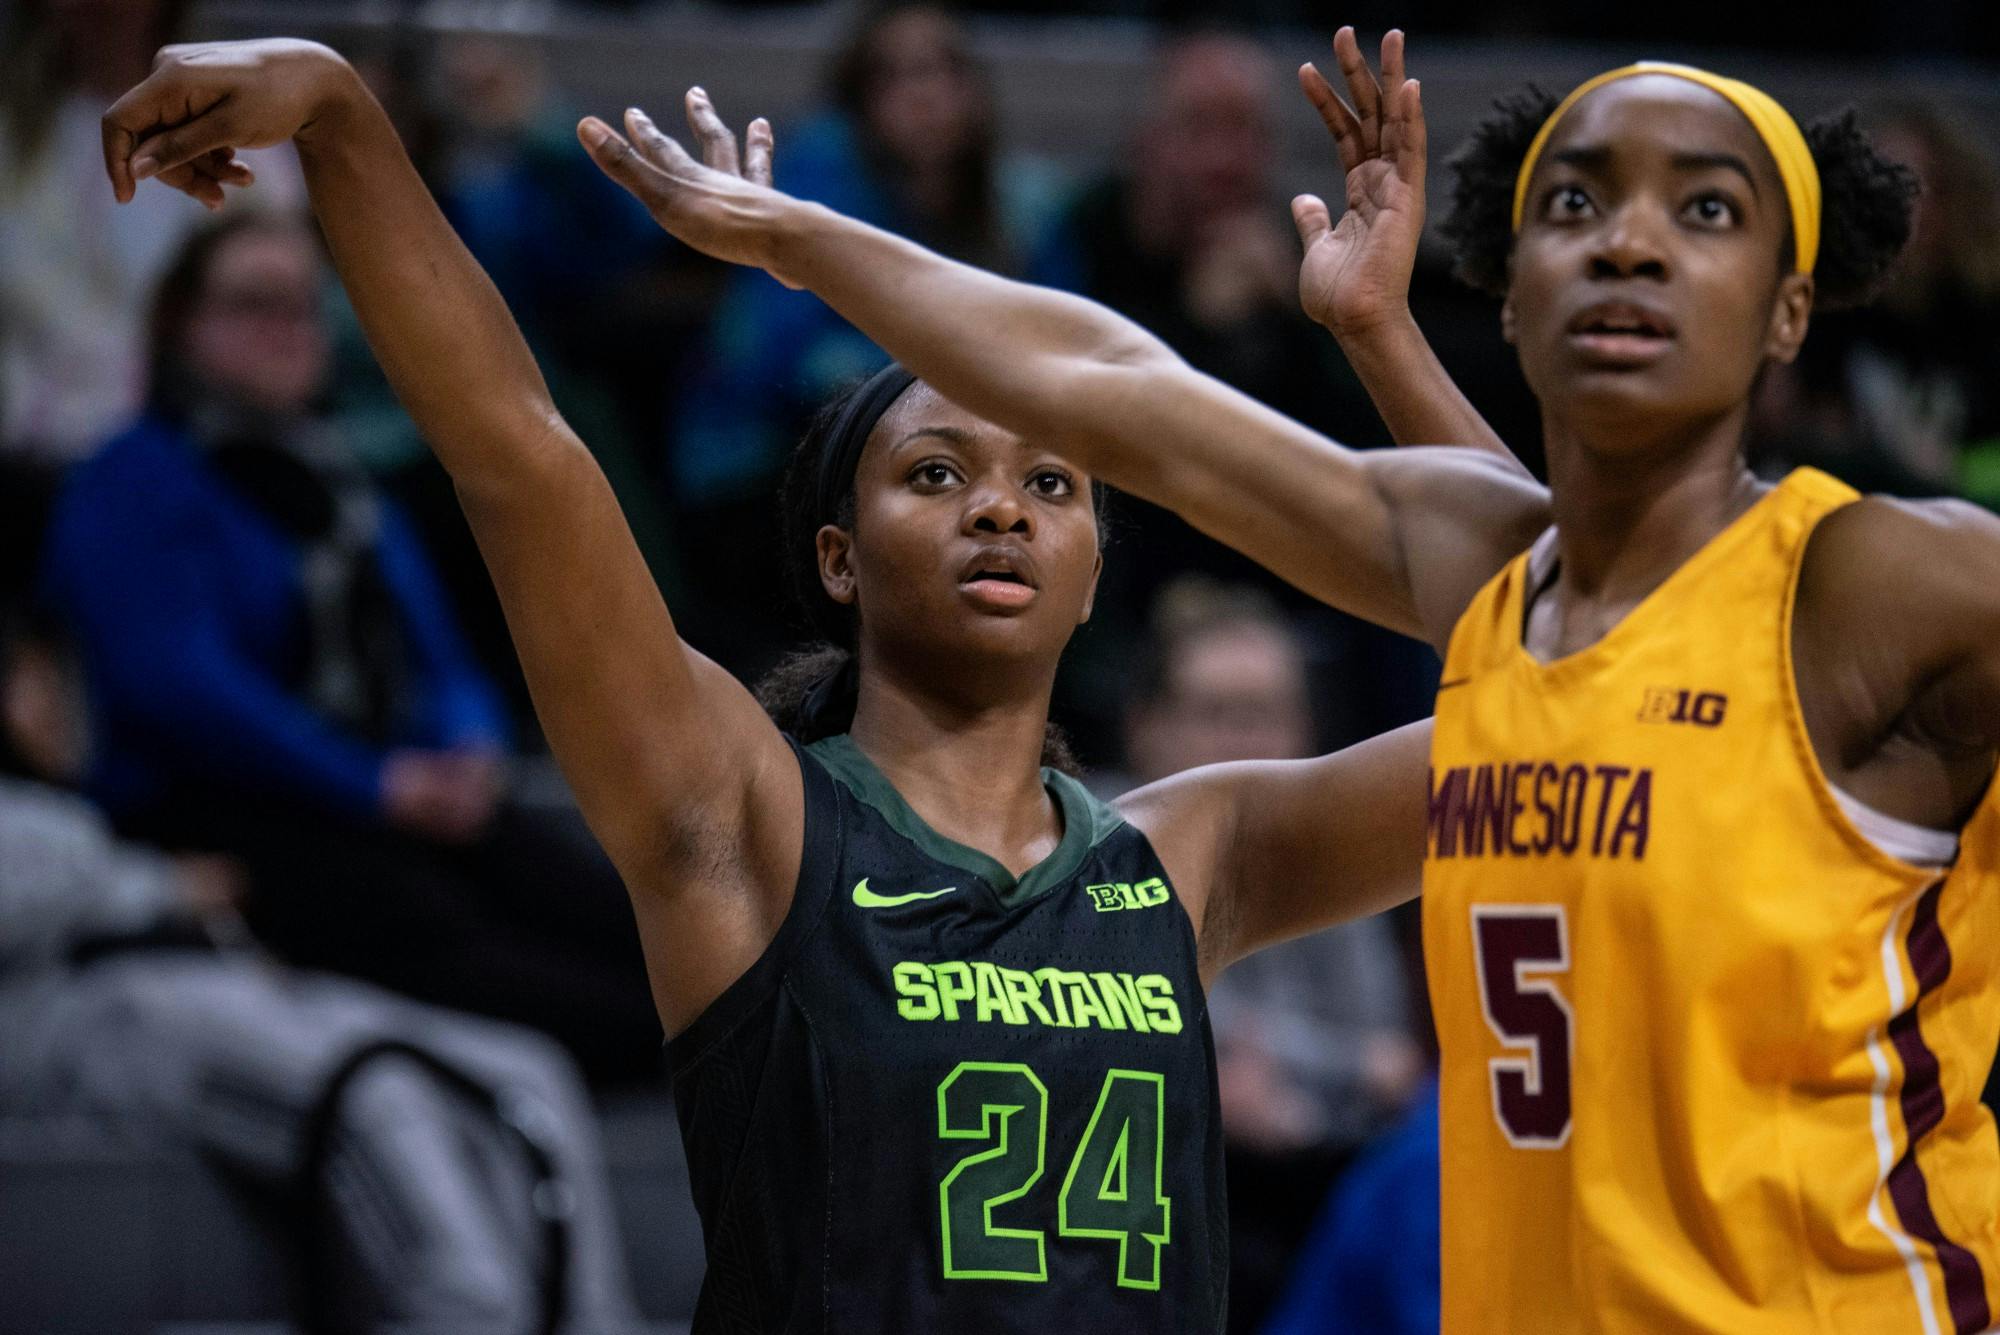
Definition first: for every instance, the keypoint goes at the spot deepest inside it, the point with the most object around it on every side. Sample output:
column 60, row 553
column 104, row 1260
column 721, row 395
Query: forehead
column 933, row 419
column 1648, row 119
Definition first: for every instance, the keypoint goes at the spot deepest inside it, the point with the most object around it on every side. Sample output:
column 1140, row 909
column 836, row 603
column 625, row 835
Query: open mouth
column 1620, row 333
column 998, row 578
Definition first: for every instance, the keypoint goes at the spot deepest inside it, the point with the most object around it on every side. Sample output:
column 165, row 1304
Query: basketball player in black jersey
column 939, row 1036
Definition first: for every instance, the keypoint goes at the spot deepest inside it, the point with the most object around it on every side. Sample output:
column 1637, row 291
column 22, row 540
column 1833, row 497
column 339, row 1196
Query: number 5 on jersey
column 1515, row 947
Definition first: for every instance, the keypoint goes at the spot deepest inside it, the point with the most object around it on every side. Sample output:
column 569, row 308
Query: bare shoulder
column 1929, row 569
column 1185, row 817
column 1461, row 514
column 1264, row 850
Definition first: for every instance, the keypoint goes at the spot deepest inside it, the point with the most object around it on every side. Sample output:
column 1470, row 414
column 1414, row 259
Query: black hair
column 792, row 692
column 1864, row 214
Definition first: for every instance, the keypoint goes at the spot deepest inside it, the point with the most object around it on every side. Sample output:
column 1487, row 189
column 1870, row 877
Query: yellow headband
column 1774, row 125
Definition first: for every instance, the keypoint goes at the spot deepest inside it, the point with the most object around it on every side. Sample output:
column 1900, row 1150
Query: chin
column 1614, row 399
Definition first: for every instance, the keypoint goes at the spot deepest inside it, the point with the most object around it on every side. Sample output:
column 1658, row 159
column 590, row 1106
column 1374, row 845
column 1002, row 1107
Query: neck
column 1626, row 517
column 970, row 768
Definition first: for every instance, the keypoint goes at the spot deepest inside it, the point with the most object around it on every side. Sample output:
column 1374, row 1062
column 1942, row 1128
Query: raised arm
column 1401, row 538
column 687, row 785
column 1355, row 278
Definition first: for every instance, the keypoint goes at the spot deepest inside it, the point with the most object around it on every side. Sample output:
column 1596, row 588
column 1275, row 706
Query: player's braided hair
column 786, row 692
column 1864, row 222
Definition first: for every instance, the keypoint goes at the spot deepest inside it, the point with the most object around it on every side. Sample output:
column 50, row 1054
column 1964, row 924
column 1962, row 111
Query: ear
column 1090, row 597
column 1791, row 312
column 835, row 546
column 1507, row 318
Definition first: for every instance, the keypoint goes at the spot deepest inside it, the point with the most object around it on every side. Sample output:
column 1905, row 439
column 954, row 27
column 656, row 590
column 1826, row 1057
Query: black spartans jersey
column 947, row 1101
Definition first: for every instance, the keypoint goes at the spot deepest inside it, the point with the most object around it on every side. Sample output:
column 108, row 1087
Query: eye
column 935, row 474
column 1566, row 202
column 1713, row 209
column 1052, row 483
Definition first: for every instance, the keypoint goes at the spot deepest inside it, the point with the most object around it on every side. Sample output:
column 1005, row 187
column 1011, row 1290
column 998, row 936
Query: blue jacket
column 1370, row 1265
column 188, row 607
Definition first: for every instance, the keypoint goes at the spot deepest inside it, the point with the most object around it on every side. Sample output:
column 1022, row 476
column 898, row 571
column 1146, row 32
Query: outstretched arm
column 1403, row 539
column 1266, row 850
column 1355, row 278
column 687, row 785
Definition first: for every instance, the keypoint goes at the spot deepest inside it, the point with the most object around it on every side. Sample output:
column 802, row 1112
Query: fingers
column 1361, row 88
column 1333, row 113
column 203, row 178
column 1313, row 219
column 166, row 150
column 718, row 145
column 654, row 148
column 1406, row 140
column 758, row 147
column 618, row 159
column 1392, row 64
column 118, row 143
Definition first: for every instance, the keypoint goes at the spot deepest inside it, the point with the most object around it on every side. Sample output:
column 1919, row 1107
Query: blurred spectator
column 1312, row 1037
column 1371, row 1265
column 609, row 302
column 124, row 1002
column 1190, row 237
column 1904, row 395
column 909, row 142
column 280, row 677
column 75, row 266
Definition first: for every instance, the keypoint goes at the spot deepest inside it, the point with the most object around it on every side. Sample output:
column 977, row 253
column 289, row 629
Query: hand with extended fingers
column 723, row 205
column 1356, row 272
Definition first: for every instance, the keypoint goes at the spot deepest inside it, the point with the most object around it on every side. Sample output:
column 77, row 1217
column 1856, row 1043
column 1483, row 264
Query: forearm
column 1417, row 398
column 1084, row 381
column 436, row 324
column 1015, row 354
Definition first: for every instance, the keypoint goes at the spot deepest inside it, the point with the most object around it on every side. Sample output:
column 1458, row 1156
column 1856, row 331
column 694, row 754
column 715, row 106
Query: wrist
column 787, row 237
column 338, row 94
column 1387, row 328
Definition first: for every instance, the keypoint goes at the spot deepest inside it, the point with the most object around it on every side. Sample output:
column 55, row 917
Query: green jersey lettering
column 1084, row 1006
column 993, row 999
column 1052, row 980
column 1121, row 1001
column 1156, row 992
column 919, row 995
column 990, row 993
column 1026, row 995
column 951, row 992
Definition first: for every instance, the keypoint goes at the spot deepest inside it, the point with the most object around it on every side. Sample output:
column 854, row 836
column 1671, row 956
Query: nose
column 1630, row 244
column 996, row 506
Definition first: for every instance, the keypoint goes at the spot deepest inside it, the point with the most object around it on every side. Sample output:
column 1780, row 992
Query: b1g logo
column 1667, row 704
column 1111, row 898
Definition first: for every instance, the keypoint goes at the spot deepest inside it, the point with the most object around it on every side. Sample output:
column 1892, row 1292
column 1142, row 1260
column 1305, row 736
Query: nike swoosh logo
column 868, row 899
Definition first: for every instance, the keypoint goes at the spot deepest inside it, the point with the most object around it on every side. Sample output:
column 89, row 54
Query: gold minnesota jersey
column 1712, row 1058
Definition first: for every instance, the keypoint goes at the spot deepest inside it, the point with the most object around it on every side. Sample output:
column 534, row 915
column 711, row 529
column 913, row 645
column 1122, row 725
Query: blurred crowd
column 273, row 805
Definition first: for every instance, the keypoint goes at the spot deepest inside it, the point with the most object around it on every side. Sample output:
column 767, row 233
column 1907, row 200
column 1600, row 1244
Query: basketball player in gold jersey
column 1711, row 889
